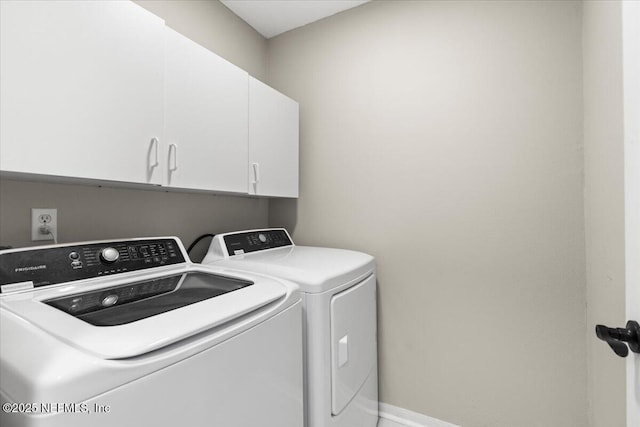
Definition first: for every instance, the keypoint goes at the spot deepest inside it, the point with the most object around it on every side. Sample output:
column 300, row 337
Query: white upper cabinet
column 102, row 90
column 206, row 108
column 273, row 142
column 81, row 89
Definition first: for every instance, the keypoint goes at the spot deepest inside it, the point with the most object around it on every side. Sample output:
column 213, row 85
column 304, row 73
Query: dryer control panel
column 34, row 267
column 256, row 240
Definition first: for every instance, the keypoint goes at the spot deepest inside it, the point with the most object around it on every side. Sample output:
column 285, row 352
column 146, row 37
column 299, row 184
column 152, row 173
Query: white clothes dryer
column 339, row 304
column 131, row 333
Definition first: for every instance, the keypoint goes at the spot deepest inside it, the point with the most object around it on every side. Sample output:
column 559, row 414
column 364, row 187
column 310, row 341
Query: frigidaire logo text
column 31, row 268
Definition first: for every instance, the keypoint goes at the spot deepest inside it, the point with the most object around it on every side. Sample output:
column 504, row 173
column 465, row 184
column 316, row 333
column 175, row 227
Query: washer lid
column 172, row 309
column 314, row 269
column 130, row 302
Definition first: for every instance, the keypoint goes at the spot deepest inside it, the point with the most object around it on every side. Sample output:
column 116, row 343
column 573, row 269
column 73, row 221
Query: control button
column 74, row 256
column 109, row 300
column 109, row 255
column 76, row 304
column 262, row 237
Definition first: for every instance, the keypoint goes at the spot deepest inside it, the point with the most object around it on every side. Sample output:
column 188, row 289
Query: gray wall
column 445, row 138
column 93, row 213
column 604, row 205
column 90, row 212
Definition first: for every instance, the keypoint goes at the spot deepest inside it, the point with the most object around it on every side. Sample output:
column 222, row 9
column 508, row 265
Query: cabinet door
column 273, row 142
column 206, row 109
column 81, row 89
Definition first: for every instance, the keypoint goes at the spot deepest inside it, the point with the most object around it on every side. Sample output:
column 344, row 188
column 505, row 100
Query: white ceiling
column 273, row 17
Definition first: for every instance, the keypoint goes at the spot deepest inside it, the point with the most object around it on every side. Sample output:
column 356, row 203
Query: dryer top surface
column 314, row 269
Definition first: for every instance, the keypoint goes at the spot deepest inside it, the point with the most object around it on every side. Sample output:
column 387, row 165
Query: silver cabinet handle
column 173, row 148
column 256, row 172
column 154, row 142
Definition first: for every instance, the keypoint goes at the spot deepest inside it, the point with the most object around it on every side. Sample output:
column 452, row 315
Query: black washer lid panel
column 135, row 301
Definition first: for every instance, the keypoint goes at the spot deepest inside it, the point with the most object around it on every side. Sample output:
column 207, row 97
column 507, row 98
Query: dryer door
column 353, row 341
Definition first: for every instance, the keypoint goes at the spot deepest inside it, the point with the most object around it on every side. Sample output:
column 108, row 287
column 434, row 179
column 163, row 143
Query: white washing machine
column 131, row 333
column 339, row 304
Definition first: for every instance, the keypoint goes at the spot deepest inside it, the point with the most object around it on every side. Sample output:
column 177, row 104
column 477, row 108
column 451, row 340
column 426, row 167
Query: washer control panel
column 256, row 240
column 66, row 263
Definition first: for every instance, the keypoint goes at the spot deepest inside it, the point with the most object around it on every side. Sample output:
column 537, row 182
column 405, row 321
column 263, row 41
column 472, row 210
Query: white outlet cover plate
column 35, row 223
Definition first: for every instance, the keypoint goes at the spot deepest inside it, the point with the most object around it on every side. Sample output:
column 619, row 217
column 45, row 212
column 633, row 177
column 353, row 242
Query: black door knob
column 619, row 338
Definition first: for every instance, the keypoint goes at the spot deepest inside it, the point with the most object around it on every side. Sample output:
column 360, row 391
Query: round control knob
column 109, row 255
column 262, row 237
column 109, row 300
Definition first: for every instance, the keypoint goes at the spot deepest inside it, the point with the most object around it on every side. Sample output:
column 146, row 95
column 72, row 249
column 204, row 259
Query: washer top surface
column 150, row 333
column 314, row 269
column 129, row 313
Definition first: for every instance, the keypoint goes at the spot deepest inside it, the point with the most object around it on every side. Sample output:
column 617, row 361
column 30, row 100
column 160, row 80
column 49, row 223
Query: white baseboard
column 392, row 416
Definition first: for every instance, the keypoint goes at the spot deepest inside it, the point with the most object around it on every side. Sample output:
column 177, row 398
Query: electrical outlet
column 41, row 218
